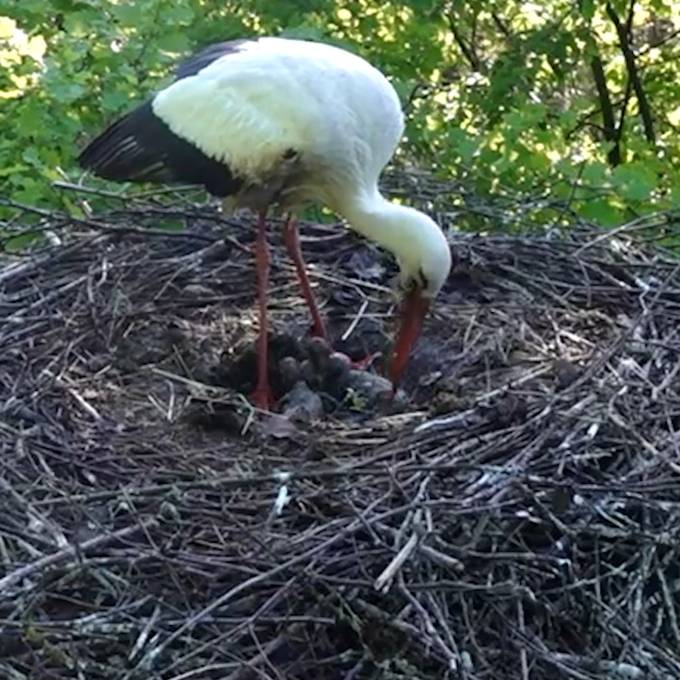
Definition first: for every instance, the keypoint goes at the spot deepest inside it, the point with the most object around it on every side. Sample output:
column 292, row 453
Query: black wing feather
column 198, row 61
column 140, row 147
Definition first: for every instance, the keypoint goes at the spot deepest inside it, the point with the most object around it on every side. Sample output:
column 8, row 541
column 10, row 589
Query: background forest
column 575, row 103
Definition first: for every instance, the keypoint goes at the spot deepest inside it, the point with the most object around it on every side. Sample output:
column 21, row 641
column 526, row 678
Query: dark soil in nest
column 514, row 514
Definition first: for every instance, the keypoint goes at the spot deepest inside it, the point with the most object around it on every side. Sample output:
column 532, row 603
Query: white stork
column 270, row 121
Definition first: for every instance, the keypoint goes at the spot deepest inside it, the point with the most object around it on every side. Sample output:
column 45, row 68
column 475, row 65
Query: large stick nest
column 517, row 517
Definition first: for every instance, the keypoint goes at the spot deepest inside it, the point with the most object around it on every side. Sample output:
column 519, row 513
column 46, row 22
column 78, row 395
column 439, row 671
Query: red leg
column 292, row 243
column 262, row 396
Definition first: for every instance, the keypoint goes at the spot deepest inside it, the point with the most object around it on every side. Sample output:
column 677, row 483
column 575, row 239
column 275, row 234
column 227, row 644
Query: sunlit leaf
column 10, row 170
column 601, row 212
column 7, row 27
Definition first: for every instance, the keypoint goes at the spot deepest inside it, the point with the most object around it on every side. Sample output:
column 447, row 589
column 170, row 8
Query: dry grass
column 519, row 519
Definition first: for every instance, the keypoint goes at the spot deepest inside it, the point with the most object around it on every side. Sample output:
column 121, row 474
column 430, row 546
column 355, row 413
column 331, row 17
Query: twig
column 71, row 551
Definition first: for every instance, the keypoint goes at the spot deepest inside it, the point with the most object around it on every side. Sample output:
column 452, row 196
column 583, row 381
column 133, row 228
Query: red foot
column 262, row 398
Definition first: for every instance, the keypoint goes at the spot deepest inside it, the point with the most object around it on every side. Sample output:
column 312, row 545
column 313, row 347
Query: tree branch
column 608, row 120
column 467, row 50
column 624, row 108
column 630, row 17
column 623, row 32
column 500, row 25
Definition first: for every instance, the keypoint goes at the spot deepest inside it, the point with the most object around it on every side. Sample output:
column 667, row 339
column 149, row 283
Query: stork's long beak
column 413, row 311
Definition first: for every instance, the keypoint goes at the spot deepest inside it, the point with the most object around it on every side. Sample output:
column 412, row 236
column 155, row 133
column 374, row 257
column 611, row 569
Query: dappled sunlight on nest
column 519, row 502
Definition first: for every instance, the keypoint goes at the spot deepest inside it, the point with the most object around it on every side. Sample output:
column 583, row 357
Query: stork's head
column 423, row 254
column 425, row 261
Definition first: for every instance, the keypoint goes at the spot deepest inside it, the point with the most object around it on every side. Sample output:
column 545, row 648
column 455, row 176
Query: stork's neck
column 404, row 231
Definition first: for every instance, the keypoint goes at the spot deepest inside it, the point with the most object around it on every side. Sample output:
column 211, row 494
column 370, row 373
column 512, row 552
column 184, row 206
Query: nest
column 516, row 516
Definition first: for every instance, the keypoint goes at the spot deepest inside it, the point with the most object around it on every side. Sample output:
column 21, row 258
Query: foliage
column 576, row 101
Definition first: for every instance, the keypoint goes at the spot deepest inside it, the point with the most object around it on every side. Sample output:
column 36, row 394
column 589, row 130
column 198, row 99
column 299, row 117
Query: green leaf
column 635, row 181
column 404, row 88
column 175, row 42
column 10, row 170
column 171, row 225
column 178, row 13
column 304, row 32
column 464, row 144
column 114, row 101
column 16, row 244
column 587, row 8
column 594, row 174
column 601, row 211
column 67, row 92
column 674, row 195
column 31, row 156
column 133, row 13
column 79, row 24
column 620, row 7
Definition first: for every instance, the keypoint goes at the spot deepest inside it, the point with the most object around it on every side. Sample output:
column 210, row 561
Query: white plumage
column 248, row 107
column 274, row 121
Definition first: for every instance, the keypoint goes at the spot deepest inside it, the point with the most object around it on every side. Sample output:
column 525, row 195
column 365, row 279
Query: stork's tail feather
column 140, row 147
